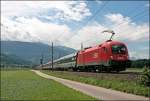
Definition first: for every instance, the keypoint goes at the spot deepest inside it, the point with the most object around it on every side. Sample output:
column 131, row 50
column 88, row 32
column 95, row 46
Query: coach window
column 73, row 58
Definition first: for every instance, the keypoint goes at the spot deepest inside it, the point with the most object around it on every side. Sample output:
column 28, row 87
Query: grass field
column 25, row 85
column 125, row 83
column 134, row 70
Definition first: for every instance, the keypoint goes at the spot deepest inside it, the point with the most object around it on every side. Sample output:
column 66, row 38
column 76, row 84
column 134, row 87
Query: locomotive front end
column 119, row 59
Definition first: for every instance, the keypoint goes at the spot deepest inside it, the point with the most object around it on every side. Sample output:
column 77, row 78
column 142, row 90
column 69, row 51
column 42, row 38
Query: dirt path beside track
column 97, row 92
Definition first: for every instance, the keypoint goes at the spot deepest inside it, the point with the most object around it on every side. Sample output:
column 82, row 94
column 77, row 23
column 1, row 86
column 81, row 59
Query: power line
column 52, row 56
column 118, row 32
column 41, row 60
column 127, row 28
column 135, row 16
column 94, row 15
column 143, row 11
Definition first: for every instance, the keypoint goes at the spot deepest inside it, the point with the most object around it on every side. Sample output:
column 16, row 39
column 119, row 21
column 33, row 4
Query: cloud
column 89, row 35
column 33, row 30
column 63, row 10
column 117, row 18
column 126, row 29
column 98, row 1
column 140, row 54
column 20, row 21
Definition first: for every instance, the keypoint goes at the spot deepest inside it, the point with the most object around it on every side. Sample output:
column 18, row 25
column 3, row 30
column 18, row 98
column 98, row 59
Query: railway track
column 129, row 76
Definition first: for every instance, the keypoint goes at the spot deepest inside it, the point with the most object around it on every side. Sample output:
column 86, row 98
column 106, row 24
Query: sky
column 70, row 23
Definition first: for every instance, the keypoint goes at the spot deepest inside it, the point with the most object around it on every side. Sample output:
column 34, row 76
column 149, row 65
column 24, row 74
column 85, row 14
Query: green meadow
column 26, row 85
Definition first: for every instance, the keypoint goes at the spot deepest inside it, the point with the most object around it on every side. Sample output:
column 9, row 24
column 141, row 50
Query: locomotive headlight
column 111, row 57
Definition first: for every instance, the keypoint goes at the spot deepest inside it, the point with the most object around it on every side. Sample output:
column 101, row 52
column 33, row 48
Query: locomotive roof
column 108, row 42
column 112, row 42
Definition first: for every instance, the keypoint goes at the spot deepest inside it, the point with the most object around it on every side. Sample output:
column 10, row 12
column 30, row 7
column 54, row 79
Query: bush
column 145, row 78
column 140, row 63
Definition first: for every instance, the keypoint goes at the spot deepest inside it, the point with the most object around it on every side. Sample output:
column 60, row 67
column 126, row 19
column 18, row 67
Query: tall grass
column 111, row 83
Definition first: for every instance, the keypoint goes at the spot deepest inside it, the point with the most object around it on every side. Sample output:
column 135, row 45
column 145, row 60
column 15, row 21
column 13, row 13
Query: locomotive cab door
column 104, row 56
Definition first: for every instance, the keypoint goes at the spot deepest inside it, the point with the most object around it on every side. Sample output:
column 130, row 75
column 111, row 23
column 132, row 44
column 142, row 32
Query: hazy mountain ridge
column 31, row 51
column 13, row 60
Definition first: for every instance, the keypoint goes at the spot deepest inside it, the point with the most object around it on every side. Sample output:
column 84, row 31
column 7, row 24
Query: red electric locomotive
column 109, row 56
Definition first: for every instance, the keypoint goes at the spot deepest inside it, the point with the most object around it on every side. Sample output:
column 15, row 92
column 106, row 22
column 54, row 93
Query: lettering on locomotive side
column 95, row 55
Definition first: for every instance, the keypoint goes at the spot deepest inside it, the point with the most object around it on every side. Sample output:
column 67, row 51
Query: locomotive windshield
column 118, row 49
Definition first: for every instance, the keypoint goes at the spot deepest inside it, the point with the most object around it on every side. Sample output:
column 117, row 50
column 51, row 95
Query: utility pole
column 41, row 61
column 52, row 56
column 81, row 46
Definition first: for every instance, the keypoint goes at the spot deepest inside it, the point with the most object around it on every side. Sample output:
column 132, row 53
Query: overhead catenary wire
column 137, row 15
column 132, row 12
column 118, row 32
column 92, row 17
column 133, row 17
column 126, row 29
column 98, row 11
column 95, row 14
column 128, row 12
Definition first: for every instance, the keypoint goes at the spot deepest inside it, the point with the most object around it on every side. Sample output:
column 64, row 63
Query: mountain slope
column 12, row 60
column 33, row 51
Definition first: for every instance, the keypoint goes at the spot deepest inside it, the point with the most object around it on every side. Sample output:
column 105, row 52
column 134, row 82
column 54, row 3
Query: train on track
column 108, row 56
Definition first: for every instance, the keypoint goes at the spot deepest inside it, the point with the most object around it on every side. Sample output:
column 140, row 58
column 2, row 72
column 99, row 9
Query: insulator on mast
column 81, row 46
